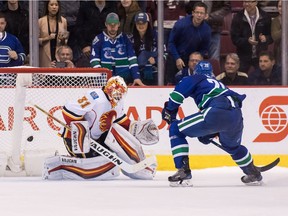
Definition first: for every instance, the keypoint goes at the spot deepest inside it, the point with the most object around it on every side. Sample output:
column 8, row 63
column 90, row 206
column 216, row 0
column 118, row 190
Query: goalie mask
column 116, row 89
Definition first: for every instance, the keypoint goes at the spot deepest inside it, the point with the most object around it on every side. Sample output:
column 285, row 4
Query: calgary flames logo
column 106, row 120
column 274, row 119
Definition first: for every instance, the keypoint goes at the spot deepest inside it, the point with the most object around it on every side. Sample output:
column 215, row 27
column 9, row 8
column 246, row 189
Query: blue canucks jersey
column 202, row 89
column 115, row 54
column 8, row 43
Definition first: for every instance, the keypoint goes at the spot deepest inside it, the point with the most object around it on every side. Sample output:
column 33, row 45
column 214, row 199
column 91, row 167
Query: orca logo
column 274, row 119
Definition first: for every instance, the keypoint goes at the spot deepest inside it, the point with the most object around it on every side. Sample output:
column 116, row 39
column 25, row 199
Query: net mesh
column 48, row 88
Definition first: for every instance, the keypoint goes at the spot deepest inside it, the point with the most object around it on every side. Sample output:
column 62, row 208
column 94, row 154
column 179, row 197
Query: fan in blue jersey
column 114, row 50
column 219, row 115
column 11, row 51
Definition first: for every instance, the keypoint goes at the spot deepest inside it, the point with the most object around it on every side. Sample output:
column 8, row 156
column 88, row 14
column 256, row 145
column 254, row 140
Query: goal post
column 27, row 135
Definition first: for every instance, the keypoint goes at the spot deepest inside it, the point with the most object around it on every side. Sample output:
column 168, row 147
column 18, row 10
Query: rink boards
column 264, row 110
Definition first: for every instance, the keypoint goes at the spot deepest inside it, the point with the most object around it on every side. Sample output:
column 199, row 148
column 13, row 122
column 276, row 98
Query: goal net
column 28, row 135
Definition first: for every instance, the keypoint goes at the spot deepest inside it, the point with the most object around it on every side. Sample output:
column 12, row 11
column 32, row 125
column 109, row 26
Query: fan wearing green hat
column 112, row 18
column 114, row 50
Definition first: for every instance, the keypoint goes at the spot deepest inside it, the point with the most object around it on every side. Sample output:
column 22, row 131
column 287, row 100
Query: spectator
column 232, row 75
column 276, row 32
column 52, row 33
column 69, row 10
column 217, row 10
column 144, row 41
column 64, row 56
column 11, row 50
column 268, row 72
column 194, row 58
column 91, row 22
column 188, row 35
column 127, row 10
column 17, row 22
column 24, row 4
column 114, row 51
column 251, row 34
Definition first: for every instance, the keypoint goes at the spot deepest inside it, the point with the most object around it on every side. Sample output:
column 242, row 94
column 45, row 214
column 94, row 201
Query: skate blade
column 184, row 183
column 256, row 183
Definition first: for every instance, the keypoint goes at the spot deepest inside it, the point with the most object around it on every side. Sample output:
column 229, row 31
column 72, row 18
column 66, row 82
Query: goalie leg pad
column 129, row 149
column 65, row 167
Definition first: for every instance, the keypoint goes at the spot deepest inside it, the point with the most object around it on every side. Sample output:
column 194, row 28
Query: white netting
column 50, row 89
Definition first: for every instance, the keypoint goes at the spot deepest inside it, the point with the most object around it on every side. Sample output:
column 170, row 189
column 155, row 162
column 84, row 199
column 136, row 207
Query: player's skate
column 182, row 177
column 253, row 176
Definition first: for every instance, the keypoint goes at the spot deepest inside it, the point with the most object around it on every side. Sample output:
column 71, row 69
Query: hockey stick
column 51, row 116
column 104, row 152
column 260, row 169
column 129, row 168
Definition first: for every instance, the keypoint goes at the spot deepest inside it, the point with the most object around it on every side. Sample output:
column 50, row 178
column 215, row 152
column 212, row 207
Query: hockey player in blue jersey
column 219, row 115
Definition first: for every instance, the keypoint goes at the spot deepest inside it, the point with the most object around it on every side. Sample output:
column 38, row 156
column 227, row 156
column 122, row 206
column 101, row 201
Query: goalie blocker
column 121, row 142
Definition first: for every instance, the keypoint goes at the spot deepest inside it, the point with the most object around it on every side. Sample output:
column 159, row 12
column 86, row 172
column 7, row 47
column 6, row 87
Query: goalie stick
column 129, row 168
column 260, row 169
column 106, row 153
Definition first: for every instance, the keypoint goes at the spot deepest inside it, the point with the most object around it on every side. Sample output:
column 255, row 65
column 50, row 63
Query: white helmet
column 115, row 88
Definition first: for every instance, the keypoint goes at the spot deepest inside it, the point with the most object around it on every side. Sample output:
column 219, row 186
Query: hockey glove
column 168, row 115
column 207, row 139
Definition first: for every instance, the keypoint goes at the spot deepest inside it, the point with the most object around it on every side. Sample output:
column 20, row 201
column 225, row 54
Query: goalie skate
column 182, row 178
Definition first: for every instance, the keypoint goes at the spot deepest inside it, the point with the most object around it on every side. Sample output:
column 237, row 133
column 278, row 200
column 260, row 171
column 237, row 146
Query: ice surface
column 217, row 192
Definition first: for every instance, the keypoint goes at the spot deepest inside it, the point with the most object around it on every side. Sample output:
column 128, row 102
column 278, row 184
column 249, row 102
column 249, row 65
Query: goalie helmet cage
column 27, row 135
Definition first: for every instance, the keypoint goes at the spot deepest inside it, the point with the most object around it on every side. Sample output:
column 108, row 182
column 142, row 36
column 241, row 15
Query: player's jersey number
column 83, row 102
column 216, row 83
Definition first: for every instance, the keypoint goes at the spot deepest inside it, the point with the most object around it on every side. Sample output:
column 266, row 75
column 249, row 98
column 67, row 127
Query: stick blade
column 145, row 163
column 269, row 166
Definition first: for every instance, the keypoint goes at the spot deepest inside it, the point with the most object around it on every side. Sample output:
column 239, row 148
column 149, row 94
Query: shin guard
column 128, row 148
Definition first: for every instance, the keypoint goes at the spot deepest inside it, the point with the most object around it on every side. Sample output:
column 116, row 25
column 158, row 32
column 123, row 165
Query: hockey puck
column 30, row 138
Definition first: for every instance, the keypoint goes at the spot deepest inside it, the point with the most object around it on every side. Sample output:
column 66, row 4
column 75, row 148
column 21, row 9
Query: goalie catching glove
column 145, row 131
column 168, row 115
